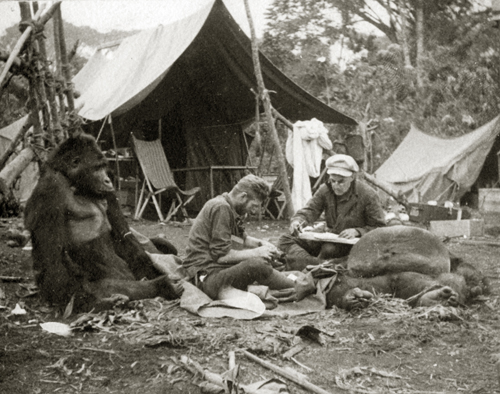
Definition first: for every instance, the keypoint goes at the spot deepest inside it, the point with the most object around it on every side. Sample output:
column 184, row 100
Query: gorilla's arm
column 45, row 219
column 126, row 245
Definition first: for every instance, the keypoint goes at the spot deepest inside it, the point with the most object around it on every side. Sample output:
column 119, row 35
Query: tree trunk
column 420, row 42
column 264, row 94
column 404, row 34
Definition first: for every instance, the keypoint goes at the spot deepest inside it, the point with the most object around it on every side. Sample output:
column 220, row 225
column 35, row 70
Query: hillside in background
column 14, row 105
column 89, row 39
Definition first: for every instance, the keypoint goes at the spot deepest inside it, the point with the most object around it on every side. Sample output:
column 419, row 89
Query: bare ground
column 386, row 348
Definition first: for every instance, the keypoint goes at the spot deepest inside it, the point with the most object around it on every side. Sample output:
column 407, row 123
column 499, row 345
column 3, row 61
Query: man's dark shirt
column 359, row 208
column 210, row 236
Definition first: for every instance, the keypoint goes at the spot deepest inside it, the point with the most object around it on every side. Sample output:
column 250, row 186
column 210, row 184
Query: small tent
column 426, row 167
column 192, row 82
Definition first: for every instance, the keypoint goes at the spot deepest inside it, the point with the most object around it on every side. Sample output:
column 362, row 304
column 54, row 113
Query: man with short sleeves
column 351, row 209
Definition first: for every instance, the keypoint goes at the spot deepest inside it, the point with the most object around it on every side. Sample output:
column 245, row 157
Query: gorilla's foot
column 356, row 299
column 110, row 302
column 445, row 296
column 167, row 288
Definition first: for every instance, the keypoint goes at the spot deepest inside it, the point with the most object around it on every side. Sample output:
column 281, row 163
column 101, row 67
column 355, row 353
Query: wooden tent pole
column 284, row 120
column 117, row 165
column 386, row 188
column 55, row 135
column 264, row 94
column 59, row 82
column 65, row 68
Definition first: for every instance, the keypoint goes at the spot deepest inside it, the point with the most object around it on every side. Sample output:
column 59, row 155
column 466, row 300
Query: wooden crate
column 457, row 228
column 424, row 213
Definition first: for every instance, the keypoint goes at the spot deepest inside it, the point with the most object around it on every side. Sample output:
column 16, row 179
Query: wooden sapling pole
column 284, row 120
column 386, row 188
column 54, row 128
column 40, row 64
column 15, row 52
column 15, row 141
column 58, row 80
column 264, row 94
column 12, row 170
column 65, row 68
column 19, row 45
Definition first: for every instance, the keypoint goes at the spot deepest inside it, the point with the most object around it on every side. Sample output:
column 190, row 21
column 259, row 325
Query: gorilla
column 409, row 263
column 82, row 244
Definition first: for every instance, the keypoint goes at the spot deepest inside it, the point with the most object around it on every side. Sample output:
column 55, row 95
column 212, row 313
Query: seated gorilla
column 410, row 263
column 82, row 244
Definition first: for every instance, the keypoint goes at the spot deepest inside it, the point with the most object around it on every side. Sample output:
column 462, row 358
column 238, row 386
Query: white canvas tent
column 428, row 168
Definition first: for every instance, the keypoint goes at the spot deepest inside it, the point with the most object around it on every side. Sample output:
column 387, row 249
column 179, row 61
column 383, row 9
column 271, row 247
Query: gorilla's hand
column 356, row 299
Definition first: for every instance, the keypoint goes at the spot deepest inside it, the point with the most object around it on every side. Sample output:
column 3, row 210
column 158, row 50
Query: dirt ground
column 386, row 348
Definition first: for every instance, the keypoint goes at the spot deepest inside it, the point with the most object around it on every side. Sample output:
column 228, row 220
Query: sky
column 107, row 15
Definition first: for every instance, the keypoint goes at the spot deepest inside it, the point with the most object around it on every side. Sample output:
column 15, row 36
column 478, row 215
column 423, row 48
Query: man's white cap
column 343, row 165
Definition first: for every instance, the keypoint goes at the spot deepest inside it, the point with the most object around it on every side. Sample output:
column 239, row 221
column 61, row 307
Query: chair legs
column 141, row 205
column 176, row 205
column 280, row 205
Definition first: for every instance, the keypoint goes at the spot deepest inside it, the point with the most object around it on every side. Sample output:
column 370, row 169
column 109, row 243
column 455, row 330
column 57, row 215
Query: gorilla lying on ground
column 82, row 244
column 410, row 263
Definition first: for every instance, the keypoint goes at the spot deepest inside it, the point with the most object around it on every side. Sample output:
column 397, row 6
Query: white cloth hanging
column 304, row 151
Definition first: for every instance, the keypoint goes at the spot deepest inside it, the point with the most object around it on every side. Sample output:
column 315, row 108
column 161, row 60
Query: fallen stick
column 477, row 243
column 207, row 375
column 290, row 376
column 11, row 278
column 232, row 360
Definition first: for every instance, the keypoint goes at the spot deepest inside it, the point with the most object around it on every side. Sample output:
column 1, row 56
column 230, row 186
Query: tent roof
column 429, row 164
column 206, row 49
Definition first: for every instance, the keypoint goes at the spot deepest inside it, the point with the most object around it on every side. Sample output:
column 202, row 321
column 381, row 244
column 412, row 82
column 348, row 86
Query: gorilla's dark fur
column 82, row 244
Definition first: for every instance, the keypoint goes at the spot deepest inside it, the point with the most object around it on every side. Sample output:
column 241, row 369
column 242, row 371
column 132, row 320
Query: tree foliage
column 455, row 90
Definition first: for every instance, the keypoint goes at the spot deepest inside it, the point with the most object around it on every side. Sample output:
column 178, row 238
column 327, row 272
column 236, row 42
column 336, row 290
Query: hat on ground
column 343, row 165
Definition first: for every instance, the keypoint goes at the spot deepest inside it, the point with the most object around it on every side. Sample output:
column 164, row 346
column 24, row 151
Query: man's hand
column 266, row 252
column 295, row 228
column 349, row 233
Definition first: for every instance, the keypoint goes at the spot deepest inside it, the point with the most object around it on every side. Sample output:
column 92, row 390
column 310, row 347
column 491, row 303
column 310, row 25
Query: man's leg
column 331, row 250
column 242, row 275
column 299, row 253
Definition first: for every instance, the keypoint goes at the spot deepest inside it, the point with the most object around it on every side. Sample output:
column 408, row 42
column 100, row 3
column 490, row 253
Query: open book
column 327, row 237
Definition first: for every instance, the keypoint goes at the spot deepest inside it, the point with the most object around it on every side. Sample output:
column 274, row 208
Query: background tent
column 191, row 81
column 442, row 169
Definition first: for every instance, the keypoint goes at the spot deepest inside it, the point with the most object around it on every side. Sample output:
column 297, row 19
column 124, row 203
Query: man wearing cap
column 351, row 209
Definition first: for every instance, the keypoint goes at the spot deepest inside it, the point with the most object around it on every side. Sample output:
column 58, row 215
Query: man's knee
column 257, row 266
column 285, row 242
column 328, row 250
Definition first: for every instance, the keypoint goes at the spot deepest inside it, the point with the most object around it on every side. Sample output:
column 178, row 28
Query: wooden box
column 457, row 228
column 424, row 213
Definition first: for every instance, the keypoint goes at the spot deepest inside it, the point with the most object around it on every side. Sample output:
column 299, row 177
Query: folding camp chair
column 158, row 178
column 276, row 203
